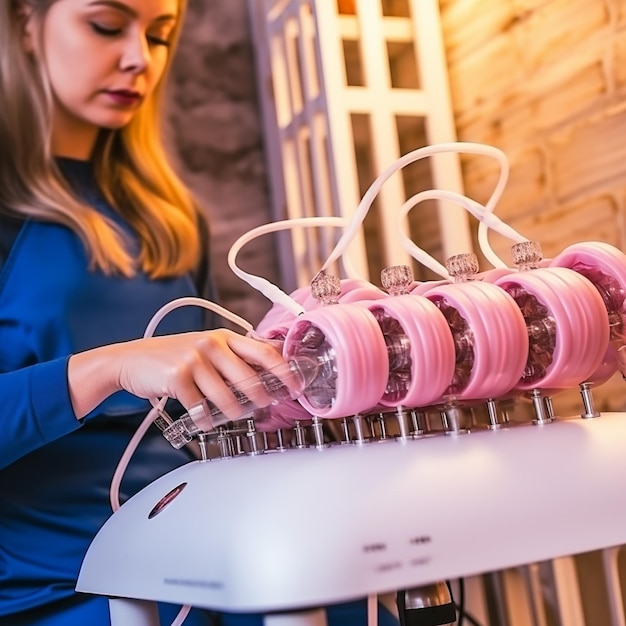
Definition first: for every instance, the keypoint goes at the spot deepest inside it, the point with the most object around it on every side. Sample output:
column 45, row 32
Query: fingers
column 263, row 354
column 267, row 356
column 222, row 366
column 226, row 372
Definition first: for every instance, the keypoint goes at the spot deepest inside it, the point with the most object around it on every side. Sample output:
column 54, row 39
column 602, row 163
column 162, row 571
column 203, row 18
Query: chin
column 115, row 125
column 113, row 120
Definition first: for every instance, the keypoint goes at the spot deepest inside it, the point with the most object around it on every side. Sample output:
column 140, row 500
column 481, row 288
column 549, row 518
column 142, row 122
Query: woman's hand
column 186, row 366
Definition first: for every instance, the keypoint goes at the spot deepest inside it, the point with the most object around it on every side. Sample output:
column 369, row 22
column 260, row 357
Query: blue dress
column 55, row 471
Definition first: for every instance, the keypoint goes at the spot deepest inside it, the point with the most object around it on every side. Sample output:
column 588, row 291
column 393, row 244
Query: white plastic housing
column 311, row 527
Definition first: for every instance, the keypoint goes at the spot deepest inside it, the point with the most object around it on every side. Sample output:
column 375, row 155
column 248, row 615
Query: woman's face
column 103, row 58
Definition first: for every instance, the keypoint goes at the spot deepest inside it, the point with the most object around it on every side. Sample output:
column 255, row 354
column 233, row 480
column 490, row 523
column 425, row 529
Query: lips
column 123, row 97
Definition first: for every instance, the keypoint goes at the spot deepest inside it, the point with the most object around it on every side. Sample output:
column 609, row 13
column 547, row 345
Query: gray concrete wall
column 217, row 136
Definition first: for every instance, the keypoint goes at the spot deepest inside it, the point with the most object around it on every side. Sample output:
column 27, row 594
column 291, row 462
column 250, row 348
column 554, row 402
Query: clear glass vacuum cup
column 205, row 416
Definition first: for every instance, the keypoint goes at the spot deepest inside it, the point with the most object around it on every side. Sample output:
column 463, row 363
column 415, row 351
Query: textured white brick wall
column 545, row 81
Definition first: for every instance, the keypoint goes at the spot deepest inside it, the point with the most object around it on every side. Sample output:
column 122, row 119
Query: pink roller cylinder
column 567, row 323
column 490, row 339
column 604, row 266
column 421, row 348
column 275, row 326
column 355, row 365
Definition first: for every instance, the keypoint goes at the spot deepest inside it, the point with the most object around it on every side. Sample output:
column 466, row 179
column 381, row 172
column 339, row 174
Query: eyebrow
column 120, row 6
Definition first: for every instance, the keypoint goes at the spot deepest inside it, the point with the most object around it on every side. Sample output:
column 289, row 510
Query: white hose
column 411, row 157
column 479, row 211
column 262, row 285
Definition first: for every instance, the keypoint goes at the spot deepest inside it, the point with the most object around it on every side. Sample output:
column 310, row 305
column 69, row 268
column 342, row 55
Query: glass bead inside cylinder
column 309, row 340
column 541, row 333
column 399, row 352
column 463, row 345
column 612, row 294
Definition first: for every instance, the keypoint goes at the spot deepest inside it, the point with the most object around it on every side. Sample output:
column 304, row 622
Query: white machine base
column 284, row 531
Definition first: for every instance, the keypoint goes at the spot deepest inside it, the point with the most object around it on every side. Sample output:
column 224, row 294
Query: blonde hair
column 130, row 166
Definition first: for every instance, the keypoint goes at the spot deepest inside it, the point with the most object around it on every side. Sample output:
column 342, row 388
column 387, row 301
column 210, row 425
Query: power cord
column 462, row 614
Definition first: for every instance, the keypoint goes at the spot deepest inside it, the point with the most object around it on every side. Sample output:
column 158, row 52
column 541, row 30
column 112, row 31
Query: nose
column 136, row 54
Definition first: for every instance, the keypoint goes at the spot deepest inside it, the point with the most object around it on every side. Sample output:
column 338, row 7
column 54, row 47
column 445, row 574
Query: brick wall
column 545, row 81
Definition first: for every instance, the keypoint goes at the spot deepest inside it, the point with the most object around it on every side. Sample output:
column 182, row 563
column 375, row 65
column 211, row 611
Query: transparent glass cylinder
column 205, row 416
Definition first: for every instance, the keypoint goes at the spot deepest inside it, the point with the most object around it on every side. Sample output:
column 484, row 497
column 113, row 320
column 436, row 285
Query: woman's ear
column 23, row 14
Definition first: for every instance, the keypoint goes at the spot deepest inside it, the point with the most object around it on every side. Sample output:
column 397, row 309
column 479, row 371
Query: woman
column 96, row 234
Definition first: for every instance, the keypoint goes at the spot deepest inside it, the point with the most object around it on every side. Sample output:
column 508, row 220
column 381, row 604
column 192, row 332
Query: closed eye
column 157, row 41
column 105, row 30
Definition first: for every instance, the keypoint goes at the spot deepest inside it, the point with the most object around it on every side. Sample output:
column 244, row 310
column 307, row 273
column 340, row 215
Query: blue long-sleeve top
column 55, row 471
